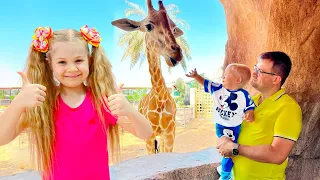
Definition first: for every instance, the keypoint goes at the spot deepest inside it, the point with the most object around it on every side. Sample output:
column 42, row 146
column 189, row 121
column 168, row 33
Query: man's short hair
column 281, row 63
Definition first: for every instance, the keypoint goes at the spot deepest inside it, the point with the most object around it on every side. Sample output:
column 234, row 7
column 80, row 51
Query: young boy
column 232, row 104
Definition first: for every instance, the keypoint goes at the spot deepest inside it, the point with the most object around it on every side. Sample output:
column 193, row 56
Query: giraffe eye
column 174, row 30
column 149, row 27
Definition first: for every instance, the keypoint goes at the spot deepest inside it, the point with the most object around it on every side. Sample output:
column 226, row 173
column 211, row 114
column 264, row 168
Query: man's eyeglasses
column 259, row 71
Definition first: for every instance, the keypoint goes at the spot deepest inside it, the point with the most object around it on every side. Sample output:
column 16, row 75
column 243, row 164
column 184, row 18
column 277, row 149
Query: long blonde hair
column 40, row 119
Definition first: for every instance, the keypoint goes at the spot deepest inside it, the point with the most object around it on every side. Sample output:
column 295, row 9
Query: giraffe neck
column 157, row 79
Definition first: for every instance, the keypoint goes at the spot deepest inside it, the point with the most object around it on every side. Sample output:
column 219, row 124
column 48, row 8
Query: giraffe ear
column 127, row 24
column 177, row 32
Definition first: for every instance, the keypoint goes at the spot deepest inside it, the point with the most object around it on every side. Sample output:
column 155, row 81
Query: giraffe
column 160, row 40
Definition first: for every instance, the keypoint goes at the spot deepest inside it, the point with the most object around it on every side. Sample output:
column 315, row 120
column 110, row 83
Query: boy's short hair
column 243, row 71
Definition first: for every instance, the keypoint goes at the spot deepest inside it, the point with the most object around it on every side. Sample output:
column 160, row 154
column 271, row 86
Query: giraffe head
column 161, row 33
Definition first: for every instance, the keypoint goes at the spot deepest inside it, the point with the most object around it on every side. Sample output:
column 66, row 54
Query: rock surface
column 292, row 26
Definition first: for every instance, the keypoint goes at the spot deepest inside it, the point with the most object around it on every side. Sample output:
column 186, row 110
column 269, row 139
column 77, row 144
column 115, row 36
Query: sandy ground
column 197, row 135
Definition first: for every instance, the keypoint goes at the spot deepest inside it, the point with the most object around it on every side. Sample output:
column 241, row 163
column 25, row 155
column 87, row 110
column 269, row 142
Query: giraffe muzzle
column 173, row 61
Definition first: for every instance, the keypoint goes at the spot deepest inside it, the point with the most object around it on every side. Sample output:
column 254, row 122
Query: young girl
column 69, row 103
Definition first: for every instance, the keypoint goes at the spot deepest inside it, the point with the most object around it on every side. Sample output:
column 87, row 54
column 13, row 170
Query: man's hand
column 225, row 146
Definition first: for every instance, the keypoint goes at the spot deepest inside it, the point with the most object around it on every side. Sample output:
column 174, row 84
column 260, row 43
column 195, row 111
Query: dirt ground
column 197, row 135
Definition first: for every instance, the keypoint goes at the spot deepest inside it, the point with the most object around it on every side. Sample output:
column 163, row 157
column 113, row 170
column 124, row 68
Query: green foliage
column 5, row 94
column 137, row 95
column 180, row 85
column 184, row 92
column 179, row 101
column 2, row 95
column 12, row 97
column 194, row 83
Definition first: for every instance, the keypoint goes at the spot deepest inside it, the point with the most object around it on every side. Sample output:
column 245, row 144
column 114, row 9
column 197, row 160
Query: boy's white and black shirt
column 229, row 106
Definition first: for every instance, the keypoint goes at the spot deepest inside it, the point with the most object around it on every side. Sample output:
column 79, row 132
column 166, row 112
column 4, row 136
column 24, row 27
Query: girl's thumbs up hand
column 31, row 95
column 118, row 103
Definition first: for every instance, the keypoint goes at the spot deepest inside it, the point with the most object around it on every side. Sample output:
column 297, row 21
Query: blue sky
column 207, row 35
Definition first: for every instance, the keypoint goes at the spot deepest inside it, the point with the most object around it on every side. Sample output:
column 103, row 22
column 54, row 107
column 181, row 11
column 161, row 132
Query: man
column 264, row 145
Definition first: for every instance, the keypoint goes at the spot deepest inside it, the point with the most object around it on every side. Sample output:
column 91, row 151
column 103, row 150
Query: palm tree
column 133, row 41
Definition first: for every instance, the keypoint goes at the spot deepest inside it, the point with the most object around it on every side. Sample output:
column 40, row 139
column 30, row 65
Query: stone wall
column 199, row 165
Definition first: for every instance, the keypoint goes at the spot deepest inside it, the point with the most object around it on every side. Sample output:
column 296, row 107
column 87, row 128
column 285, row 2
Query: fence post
column 184, row 116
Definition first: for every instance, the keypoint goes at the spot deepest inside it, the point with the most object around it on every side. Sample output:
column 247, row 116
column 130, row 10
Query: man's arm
column 283, row 140
column 276, row 153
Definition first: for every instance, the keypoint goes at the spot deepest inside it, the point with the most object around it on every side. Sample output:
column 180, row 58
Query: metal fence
column 203, row 104
column 7, row 94
column 184, row 115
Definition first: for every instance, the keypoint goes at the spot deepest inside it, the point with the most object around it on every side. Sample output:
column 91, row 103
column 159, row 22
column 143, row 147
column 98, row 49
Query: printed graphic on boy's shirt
column 229, row 133
column 227, row 102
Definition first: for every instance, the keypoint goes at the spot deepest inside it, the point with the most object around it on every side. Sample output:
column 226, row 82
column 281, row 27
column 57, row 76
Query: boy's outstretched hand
column 193, row 73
